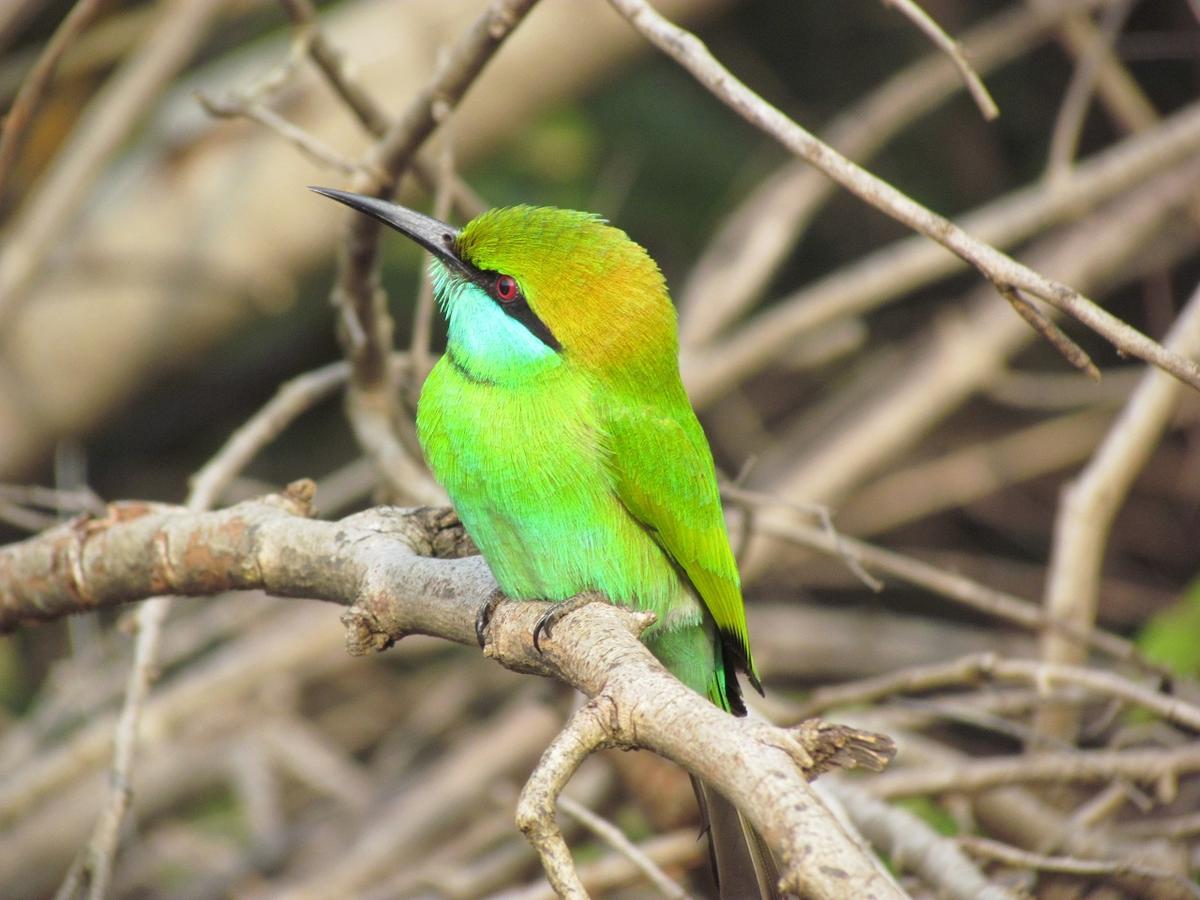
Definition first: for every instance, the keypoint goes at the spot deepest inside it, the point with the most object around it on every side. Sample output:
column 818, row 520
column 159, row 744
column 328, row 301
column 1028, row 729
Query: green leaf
column 933, row 814
column 1172, row 636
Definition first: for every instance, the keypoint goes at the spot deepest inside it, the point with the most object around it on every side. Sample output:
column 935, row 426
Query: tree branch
column 755, row 240
column 366, row 325
column 405, row 572
column 999, row 268
column 1160, row 768
column 912, row 263
column 986, row 667
column 915, row 14
column 1090, row 504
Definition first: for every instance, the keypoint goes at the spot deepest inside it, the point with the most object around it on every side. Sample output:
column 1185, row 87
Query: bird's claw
column 554, row 614
column 483, row 618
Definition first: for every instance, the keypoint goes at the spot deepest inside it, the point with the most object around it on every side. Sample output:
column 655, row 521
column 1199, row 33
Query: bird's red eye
column 506, row 288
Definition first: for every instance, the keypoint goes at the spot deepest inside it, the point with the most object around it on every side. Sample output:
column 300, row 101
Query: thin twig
column 1040, row 391
column 1160, row 768
column 822, row 514
column 23, row 518
column 1173, row 827
column 1068, row 124
column 102, row 848
column 307, row 143
column 997, row 267
column 63, row 501
column 971, row 708
column 615, row 838
column 949, row 46
column 1129, row 167
column 29, row 98
column 912, row 845
column 754, row 241
column 1067, row 348
column 331, row 63
column 959, row 588
column 94, row 866
column 989, row 666
column 1118, row 90
column 615, row 870
column 1009, row 855
column 971, row 472
column 293, row 398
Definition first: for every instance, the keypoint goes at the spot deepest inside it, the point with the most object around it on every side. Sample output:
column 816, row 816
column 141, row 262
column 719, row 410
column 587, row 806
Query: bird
column 559, row 426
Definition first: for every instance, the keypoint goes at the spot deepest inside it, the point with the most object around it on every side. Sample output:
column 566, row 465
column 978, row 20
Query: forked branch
column 404, row 572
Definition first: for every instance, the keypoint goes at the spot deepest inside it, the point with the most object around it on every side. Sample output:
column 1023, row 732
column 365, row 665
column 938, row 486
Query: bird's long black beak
column 434, row 235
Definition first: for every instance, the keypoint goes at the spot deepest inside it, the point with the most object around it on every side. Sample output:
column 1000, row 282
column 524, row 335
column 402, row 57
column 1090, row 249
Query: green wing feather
column 663, row 473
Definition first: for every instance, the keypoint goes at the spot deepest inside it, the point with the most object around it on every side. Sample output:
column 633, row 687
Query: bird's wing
column 663, row 473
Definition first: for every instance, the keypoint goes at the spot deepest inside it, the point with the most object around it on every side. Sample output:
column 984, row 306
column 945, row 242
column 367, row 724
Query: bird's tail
column 742, row 865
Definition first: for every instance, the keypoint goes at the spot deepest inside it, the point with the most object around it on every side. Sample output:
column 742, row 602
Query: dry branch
column 369, row 563
column 1118, row 89
column 968, row 345
column 331, row 63
column 915, row 14
column 755, row 239
column 358, row 275
column 19, row 118
column 293, row 398
column 329, row 60
column 1090, row 504
column 953, row 586
column 614, row 837
column 306, row 143
column 116, row 109
column 913, row 262
column 989, row 667
column 366, row 325
column 1002, row 270
column 616, row 869
column 1069, row 865
column 1157, row 768
column 1068, row 125
column 913, row 846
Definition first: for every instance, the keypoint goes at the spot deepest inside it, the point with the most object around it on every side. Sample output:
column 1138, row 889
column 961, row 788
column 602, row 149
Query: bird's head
column 526, row 289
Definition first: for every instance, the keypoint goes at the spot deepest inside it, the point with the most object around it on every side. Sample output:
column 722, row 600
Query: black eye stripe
column 518, row 308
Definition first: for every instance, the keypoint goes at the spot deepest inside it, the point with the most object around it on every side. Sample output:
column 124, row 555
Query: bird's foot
column 483, row 618
column 558, row 612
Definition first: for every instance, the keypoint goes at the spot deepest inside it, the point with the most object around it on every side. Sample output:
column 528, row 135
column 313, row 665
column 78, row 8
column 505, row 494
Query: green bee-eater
column 558, row 424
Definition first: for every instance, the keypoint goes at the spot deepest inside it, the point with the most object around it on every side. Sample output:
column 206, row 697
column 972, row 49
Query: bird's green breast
column 526, row 469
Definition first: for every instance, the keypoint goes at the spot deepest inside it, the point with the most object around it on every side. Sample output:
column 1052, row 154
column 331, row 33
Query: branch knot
column 364, row 634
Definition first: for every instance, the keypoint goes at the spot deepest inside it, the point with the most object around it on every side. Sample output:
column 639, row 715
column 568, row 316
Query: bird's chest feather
column 525, row 467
